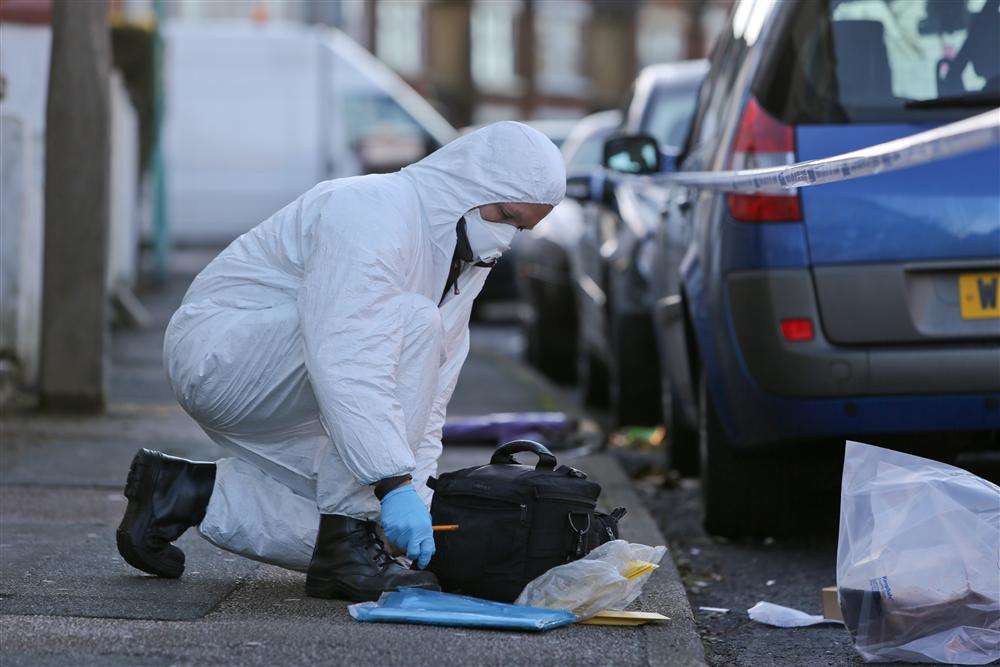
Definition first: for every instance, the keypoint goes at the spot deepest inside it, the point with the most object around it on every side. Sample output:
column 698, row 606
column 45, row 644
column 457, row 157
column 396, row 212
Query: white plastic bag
column 918, row 562
column 609, row 577
column 780, row 616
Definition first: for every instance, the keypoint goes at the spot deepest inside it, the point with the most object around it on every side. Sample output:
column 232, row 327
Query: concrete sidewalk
column 66, row 597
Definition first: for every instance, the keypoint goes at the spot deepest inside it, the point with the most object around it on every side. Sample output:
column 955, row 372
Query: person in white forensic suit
column 321, row 349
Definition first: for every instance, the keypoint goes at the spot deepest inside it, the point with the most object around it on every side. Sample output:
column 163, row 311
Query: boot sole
column 141, row 476
column 330, row 590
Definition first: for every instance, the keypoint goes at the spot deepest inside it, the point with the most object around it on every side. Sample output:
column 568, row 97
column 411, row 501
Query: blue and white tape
column 964, row 136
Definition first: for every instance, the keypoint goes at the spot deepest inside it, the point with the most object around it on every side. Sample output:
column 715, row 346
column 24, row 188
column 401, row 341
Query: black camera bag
column 515, row 522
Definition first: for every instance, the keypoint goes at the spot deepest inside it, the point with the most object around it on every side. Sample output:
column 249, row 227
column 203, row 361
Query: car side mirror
column 632, row 154
column 592, row 187
column 578, row 187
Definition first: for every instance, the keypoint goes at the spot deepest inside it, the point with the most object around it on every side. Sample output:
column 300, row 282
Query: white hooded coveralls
column 314, row 347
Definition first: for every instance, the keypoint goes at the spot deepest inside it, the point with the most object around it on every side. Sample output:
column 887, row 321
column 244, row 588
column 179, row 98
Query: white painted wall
column 20, row 246
column 24, row 61
column 123, row 232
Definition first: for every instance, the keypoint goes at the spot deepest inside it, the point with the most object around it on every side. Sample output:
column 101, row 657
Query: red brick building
column 482, row 60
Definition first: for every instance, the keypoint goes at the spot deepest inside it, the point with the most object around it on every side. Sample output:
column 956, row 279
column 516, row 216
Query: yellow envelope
column 637, row 568
column 624, row 618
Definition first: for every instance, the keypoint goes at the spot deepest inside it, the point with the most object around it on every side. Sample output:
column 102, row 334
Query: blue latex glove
column 407, row 524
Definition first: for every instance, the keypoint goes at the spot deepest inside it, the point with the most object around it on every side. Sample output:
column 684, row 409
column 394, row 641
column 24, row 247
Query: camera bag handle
column 504, row 454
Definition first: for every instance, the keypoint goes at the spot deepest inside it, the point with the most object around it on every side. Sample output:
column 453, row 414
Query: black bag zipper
column 513, row 504
column 566, row 498
column 580, row 535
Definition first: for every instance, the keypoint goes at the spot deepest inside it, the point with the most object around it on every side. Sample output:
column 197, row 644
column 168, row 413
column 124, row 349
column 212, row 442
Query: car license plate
column 977, row 293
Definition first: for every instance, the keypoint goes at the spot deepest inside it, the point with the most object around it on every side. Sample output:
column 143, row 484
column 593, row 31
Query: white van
column 258, row 114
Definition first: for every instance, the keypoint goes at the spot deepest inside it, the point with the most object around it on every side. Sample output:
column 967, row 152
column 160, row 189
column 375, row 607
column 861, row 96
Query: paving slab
column 73, row 569
column 103, row 463
column 59, row 660
column 143, row 424
column 261, row 616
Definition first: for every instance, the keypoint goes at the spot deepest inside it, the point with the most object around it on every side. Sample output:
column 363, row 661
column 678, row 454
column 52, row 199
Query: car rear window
column 589, row 153
column 883, row 60
column 669, row 116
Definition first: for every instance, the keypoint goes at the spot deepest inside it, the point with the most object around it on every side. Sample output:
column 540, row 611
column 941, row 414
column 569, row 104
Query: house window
column 399, row 35
column 662, row 34
column 559, row 46
column 494, row 44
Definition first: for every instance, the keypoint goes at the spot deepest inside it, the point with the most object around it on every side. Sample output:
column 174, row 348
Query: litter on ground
column 779, row 616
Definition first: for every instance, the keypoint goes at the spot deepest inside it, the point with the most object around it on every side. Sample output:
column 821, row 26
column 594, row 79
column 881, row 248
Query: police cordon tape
column 964, row 136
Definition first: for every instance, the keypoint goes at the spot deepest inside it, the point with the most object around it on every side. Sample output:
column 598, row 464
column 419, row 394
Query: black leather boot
column 166, row 496
column 350, row 563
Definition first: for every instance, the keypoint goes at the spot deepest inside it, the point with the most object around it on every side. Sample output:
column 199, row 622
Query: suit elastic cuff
column 384, row 486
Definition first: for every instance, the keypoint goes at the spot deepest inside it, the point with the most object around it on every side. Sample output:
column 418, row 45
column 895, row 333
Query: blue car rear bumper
column 755, row 418
column 766, row 390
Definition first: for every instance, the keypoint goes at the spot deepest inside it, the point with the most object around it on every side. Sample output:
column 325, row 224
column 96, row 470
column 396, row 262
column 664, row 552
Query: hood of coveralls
column 502, row 162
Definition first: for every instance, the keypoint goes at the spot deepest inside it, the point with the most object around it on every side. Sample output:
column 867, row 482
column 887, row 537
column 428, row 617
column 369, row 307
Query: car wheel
column 592, row 377
column 739, row 493
column 771, row 492
column 635, row 375
column 554, row 330
column 532, row 337
column 682, row 441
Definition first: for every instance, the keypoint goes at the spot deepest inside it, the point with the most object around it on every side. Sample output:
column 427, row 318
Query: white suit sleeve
column 455, row 315
column 352, row 307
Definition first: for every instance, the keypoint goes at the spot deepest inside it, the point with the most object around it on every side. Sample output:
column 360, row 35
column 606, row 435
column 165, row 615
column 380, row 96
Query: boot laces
column 380, row 555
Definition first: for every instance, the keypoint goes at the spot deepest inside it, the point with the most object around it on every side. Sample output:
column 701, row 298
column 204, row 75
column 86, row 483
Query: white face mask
column 488, row 240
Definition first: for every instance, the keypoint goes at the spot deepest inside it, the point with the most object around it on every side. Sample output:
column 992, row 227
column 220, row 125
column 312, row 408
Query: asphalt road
column 737, row 574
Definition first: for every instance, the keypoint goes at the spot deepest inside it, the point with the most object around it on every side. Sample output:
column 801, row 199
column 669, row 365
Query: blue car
column 865, row 309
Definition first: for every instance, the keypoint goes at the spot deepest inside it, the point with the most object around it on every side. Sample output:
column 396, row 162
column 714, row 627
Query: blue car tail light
column 763, row 141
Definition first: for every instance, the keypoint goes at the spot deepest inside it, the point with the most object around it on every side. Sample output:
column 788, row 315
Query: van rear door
column 241, row 124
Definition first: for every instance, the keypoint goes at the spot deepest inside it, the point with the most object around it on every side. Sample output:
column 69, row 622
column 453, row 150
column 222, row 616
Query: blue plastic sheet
column 550, row 428
column 414, row 605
